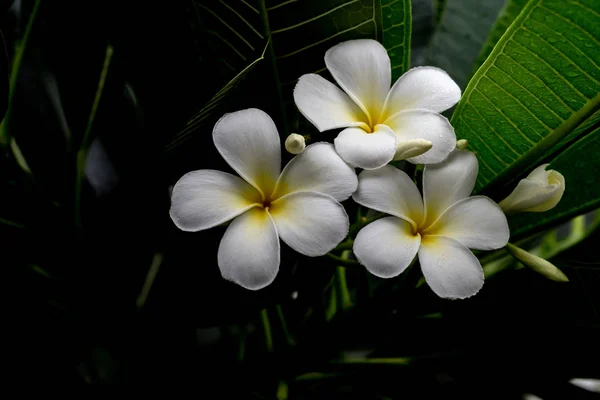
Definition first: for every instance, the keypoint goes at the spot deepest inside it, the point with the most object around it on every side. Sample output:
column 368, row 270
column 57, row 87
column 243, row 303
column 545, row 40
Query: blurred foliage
column 126, row 297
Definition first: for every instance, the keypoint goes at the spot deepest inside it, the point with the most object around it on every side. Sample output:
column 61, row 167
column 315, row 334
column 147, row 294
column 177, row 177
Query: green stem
column 284, row 328
column 377, row 361
column 264, row 316
column 15, row 72
column 150, row 277
column 362, row 222
column 11, row 223
column 341, row 289
column 87, row 137
column 343, row 261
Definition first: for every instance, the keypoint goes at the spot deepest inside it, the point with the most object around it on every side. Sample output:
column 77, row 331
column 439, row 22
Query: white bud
column 537, row 264
column 411, row 148
column 462, row 144
column 540, row 191
column 295, row 143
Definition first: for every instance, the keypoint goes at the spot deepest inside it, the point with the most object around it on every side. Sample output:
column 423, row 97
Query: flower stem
column 264, row 316
column 343, row 261
column 14, row 74
column 87, row 137
column 284, row 328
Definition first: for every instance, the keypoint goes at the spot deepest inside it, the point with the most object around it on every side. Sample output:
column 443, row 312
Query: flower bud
column 540, row 191
column 295, row 143
column 411, row 148
column 462, row 144
column 537, row 264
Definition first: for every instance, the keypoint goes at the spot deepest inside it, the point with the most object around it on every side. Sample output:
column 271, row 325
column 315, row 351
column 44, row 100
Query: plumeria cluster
column 301, row 203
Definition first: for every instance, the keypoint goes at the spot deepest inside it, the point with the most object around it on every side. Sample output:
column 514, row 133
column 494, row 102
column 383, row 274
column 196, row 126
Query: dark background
column 71, row 293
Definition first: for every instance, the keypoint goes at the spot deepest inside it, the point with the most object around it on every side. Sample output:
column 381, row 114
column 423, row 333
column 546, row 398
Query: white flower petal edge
column 428, row 88
column 391, row 191
column 427, row 125
column 366, row 150
column 387, row 246
column 318, row 169
column 325, row 105
column 207, row 198
column 446, row 183
column 477, row 222
column 249, row 250
column 310, row 223
column 450, row 269
column 362, row 68
column 249, row 142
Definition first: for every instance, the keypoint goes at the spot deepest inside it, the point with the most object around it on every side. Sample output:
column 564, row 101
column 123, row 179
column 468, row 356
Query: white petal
column 391, row 191
column 477, row 222
column 310, row 223
column 249, row 251
column 450, row 269
column 325, row 105
column 366, row 150
column 249, row 142
column 206, row 198
column 540, row 191
column 362, row 68
column 386, row 247
column 428, row 88
column 428, row 125
column 318, row 169
column 446, row 183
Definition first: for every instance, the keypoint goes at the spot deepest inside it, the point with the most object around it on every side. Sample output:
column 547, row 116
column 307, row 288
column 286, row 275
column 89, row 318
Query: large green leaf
column 463, row 29
column 538, row 85
column 511, row 10
column 580, row 165
column 300, row 33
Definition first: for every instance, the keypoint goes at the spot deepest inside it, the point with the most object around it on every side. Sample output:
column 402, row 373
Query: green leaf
column 511, row 10
column 300, row 33
column 538, row 85
column 464, row 27
column 579, row 164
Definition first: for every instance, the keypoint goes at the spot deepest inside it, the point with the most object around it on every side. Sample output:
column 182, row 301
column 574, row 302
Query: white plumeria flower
column 300, row 204
column 540, row 191
column 441, row 227
column 377, row 118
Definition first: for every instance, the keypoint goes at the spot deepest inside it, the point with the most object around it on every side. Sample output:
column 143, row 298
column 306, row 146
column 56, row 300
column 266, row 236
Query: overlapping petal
column 427, row 88
column 207, row 198
column 387, row 246
column 428, row 125
column 249, row 142
column 318, row 169
column 249, row 251
column 450, row 269
column 391, row 191
column 448, row 182
column 540, row 191
column 366, row 150
column 310, row 223
column 362, row 68
column 325, row 105
column 477, row 222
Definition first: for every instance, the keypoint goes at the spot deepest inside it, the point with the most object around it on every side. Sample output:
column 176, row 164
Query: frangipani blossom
column 441, row 227
column 540, row 191
column 300, row 204
column 376, row 117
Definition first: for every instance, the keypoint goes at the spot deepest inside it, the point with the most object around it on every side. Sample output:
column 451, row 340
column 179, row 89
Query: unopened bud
column 540, row 191
column 462, row 144
column 538, row 264
column 412, row 148
column 295, row 143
